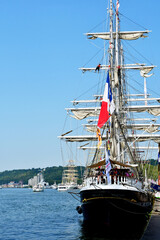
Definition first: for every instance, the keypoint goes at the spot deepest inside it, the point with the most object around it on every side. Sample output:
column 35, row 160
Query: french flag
column 107, row 107
column 159, row 158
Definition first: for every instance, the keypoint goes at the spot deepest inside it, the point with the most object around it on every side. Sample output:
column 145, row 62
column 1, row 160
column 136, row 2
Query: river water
column 49, row 215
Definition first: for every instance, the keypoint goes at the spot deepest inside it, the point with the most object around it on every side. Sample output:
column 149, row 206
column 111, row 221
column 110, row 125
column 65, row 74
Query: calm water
column 47, row 215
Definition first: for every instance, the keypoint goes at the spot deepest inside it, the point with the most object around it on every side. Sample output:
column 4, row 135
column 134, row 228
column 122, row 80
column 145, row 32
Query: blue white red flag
column 108, row 164
column 117, row 6
column 158, row 158
column 107, row 107
column 108, row 167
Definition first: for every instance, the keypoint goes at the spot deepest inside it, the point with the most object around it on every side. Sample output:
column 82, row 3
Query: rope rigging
column 132, row 21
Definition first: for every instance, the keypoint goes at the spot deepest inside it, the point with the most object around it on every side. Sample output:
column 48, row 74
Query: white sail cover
column 81, row 138
column 142, row 127
column 130, row 138
column 155, row 111
column 152, row 109
column 91, row 128
column 139, row 66
column 82, row 113
column 132, row 35
column 145, row 127
column 150, row 129
column 144, row 71
column 143, row 137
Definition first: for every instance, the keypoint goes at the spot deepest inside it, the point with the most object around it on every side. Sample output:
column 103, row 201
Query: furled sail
column 91, row 128
column 145, row 71
column 81, row 138
column 150, row 128
column 144, row 137
column 139, row 66
column 152, row 109
column 130, row 35
column 138, row 148
column 130, row 138
column 82, row 113
column 103, row 162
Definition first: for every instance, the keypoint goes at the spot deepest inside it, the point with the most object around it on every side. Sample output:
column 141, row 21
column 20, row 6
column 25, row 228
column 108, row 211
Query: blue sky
column 42, row 45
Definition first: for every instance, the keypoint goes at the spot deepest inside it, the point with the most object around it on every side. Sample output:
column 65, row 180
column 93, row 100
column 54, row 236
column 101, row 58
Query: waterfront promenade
column 153, row 230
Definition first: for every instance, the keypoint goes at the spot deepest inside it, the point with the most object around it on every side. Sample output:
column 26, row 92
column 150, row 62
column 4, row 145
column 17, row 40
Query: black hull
column 116, row 208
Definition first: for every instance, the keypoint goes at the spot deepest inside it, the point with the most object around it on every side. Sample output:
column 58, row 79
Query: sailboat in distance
column 69, row 177
column 114, row 190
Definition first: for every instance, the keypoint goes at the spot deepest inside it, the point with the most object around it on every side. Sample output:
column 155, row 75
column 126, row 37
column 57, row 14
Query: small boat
column 54, row 186
column 65, row 187
column 62, row 187
column 38, row 188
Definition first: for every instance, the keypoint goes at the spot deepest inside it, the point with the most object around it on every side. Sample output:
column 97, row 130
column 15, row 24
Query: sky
column 42, row 45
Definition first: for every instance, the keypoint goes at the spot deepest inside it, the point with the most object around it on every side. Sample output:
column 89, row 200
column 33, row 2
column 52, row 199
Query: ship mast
column 117, row 76
column 114, row 65
column 111, row 61
column 118, row 136
column 116, row 126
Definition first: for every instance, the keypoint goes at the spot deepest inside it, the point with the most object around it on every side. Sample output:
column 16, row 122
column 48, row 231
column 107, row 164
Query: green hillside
column 51, row 174
column 54, row 174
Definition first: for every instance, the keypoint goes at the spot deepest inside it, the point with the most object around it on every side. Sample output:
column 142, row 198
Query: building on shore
column 36, row 179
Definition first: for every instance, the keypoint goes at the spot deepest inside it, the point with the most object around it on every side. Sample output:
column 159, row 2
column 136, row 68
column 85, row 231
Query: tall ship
column 122, row 129
column 69, row 177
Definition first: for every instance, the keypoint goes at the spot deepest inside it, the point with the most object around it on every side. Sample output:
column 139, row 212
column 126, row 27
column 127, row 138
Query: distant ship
column 69, row 178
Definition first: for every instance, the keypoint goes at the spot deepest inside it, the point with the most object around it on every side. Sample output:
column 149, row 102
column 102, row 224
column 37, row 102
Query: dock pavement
column 153, row 229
